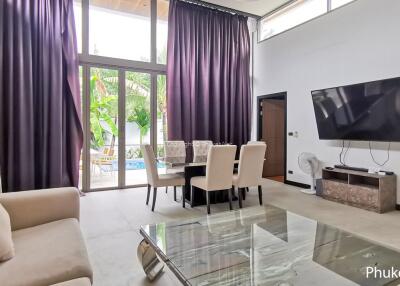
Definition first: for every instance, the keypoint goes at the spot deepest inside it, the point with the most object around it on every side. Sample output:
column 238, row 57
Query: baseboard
column 398, row 207
column 296, row 184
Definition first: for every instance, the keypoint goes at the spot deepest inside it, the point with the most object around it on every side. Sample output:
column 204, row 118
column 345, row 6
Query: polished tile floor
column 111, row 220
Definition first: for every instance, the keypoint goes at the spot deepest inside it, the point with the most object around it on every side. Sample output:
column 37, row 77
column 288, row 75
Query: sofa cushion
column 47, row 254
column 75, row 282
column 6, row 243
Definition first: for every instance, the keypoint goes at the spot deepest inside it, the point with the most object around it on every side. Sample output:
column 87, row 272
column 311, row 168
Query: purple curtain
column 208, row 75
column 40, row 115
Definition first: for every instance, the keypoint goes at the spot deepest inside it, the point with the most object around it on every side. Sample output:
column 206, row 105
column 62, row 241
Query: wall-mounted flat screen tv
column 366, row 111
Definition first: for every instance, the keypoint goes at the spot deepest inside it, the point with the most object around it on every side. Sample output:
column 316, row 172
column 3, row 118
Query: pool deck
column 102, row 179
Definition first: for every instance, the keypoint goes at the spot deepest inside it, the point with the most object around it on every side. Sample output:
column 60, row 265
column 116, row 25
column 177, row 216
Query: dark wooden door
column 273, row 133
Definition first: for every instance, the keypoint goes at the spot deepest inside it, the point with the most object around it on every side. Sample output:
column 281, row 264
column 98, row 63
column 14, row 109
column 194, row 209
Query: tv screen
column 367, row 111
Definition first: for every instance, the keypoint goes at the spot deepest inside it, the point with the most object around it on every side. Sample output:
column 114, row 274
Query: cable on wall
column 343, row 153
column 387, row 157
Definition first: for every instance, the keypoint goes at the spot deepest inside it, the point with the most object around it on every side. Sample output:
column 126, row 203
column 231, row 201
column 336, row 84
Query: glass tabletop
column 267, row 245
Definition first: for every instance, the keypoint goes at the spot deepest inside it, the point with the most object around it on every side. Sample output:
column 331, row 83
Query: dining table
column 195, row 197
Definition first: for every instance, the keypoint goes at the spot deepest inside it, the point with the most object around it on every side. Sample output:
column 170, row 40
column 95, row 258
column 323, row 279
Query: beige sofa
column 49, row 247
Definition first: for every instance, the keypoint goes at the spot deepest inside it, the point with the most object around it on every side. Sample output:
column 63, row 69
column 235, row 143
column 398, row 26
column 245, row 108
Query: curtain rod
column 221, row 8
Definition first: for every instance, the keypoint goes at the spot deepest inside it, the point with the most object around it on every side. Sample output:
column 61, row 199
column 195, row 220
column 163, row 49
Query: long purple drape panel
column 40, row 115
column 208, row 75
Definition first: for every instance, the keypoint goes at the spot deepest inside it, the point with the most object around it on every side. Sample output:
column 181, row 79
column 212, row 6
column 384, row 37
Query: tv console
column 344, row 167
column 360, row 189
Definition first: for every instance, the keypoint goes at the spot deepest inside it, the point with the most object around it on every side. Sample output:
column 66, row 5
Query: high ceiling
column 256, row 7
column 136, row 7
column 142, row 7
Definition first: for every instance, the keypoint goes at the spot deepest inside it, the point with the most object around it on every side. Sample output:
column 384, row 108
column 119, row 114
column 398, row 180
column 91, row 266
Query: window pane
column 291, row 16
column 337, row 3
column 162, row 31
column 137, row 125
column 78, row 23
column 161, row 114
column 103, row 128
column 120, row 29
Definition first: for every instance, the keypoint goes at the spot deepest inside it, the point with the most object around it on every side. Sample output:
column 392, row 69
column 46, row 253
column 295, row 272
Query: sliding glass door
column 119, row 115
column 122, row 52
column 104, row 131
column 138, row 125
column 161, row 114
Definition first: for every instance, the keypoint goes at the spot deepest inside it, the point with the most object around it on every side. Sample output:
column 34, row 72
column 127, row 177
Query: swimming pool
column 134, row 164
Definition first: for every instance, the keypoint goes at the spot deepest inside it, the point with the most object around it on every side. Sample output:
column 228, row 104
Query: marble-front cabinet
column 267, row 246
column 371, row 192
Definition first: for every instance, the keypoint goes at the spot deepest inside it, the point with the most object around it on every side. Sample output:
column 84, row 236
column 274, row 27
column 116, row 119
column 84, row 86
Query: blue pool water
column 134, row 164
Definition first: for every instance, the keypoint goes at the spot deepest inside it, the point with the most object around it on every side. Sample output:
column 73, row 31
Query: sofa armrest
column 32, row 208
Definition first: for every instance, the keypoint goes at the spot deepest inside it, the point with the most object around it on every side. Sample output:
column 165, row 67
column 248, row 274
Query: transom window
column 120, row 31
column 122, row 48
column 294, row 14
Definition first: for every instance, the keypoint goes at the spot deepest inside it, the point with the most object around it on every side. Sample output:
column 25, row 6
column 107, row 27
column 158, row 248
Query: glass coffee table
column 263, row 245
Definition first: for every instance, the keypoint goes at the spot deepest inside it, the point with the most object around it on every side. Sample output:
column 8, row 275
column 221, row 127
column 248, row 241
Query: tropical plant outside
column 138, row 102
column 104, row 105
column 162, row 103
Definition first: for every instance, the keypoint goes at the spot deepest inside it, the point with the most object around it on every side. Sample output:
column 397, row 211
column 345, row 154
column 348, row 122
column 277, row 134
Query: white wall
column 356, row 43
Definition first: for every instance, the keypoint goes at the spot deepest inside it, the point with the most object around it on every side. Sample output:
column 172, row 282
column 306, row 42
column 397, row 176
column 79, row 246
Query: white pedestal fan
column 309, row 164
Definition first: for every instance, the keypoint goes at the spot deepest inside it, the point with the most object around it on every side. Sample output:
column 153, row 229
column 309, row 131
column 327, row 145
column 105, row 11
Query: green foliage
column 103, row 108
column 134, row 153
column 161, row 98
column 138, row 101
column 160, row 151
column 104, row 103
column 162, row 102
column 141, row 116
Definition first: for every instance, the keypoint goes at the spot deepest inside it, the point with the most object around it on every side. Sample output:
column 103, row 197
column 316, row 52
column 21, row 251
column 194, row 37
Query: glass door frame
column 88, row 61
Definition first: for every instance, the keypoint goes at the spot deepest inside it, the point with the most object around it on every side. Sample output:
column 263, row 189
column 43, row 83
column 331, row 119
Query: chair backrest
column 219, row 169
column 251, row 163
column 150, row 163
column 200, row 150
column 175, row 151
column 256, row 143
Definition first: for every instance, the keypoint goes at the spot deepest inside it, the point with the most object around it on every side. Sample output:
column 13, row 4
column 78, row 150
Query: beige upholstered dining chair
column 219, row 170
column 154, row 179
column 251, row 162
column 256, row 143
column 200, row 150
column 174, row 152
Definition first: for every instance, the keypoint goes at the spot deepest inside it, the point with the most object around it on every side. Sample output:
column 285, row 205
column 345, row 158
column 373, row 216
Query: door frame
column 121, row 176
column 88, row 61
column 280, row 96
